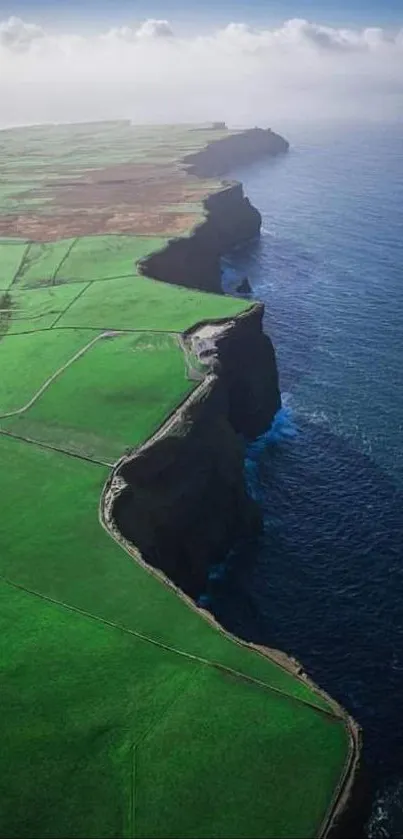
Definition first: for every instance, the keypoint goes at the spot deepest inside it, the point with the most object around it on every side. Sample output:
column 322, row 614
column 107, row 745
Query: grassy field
column 11, row 256
column 111, row 398
column 41, row 262
column 20, row 378
column 105, row 257
column 140, row 303
column 34, row 309
column 81, row 692
column 124, row 711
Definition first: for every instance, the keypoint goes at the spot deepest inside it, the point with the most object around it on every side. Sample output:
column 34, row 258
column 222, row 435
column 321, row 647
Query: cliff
column 236, row 150
column 230, row 218
column 184, row 502
column 194, row 261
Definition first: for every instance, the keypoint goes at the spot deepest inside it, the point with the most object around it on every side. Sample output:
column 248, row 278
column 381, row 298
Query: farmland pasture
column 11, row 255
column 106, row 257
column 111, row 398
column 41, row 261
column 27, row 361
column 35, row 309
column 141, row 303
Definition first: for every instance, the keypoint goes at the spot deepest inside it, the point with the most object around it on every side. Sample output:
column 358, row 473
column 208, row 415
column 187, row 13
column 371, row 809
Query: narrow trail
column 58, row 373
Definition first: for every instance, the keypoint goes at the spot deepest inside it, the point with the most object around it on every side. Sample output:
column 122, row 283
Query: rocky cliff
column 194, row 262
column 230, row 218
column 236, row 150
column 184, row 502
column 181, row 499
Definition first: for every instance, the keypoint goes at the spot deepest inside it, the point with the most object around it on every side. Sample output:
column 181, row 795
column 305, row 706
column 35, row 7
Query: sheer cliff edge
column 184, row 501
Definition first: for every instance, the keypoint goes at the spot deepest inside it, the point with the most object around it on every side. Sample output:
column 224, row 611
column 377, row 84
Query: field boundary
column 161, row 645
column 54, row 376
column 50, row 447
column 69, row 305
column 14, row 280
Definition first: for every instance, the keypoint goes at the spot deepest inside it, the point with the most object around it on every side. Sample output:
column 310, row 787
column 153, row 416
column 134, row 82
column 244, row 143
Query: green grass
column 10, row 259
column 42, row 261
column 83, row 567
column 140, row 303
column 223, row 736
column 105, row 257
column 34, row 309
column 111, row 398
column 27, row 361
column 77, row 695
column 126, row 738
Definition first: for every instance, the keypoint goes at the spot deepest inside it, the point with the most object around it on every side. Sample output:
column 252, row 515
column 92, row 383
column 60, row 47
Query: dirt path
column 58, row 373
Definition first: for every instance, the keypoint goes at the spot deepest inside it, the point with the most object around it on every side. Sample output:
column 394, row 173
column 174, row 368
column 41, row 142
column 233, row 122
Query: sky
column 333, row 12
column 261, row 62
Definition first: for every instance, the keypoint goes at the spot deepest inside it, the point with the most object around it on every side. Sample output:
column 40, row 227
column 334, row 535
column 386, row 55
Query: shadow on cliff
column 333, row 537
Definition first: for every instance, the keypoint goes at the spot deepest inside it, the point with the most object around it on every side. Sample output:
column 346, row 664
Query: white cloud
column 155, row 29
column 16, row 35
column 239, row 73
column 149, row 30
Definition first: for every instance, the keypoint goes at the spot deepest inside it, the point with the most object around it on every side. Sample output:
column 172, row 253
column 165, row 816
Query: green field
column 41, row 262
column 140, row 303
column 34, row 309
column 20, row 378
column 125, row 712
column 87, row 694
column 111, row 398
column 11, row 256
column 106, row 257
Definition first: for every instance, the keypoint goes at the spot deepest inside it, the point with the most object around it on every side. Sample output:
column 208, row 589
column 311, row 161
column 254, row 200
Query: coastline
column 339, row 814
column 118, row 642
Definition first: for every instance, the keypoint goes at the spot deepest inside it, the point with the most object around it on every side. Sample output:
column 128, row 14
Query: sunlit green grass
column 111, row 398
column 140, row 303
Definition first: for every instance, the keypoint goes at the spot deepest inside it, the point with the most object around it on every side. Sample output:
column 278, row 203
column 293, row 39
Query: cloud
column 149, row 30
column 244, row 74
column 17, row 35
column 155, row 29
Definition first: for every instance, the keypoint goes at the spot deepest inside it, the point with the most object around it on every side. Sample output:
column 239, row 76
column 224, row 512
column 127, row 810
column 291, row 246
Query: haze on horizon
column 157, row 71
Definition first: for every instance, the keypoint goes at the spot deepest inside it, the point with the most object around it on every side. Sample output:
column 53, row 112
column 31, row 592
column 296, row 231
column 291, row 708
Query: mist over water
column 325, row 582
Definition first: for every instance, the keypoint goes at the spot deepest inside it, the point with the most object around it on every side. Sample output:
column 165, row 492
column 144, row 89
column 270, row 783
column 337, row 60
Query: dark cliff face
column 243, row 356
column 185, row 501
column 194, row 262
column 221, row 156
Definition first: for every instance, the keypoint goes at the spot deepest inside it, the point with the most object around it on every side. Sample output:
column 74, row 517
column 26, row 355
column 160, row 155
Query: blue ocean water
column 325, row 582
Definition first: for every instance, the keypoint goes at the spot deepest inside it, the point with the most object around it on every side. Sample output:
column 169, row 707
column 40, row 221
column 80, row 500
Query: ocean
column 325, row 581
